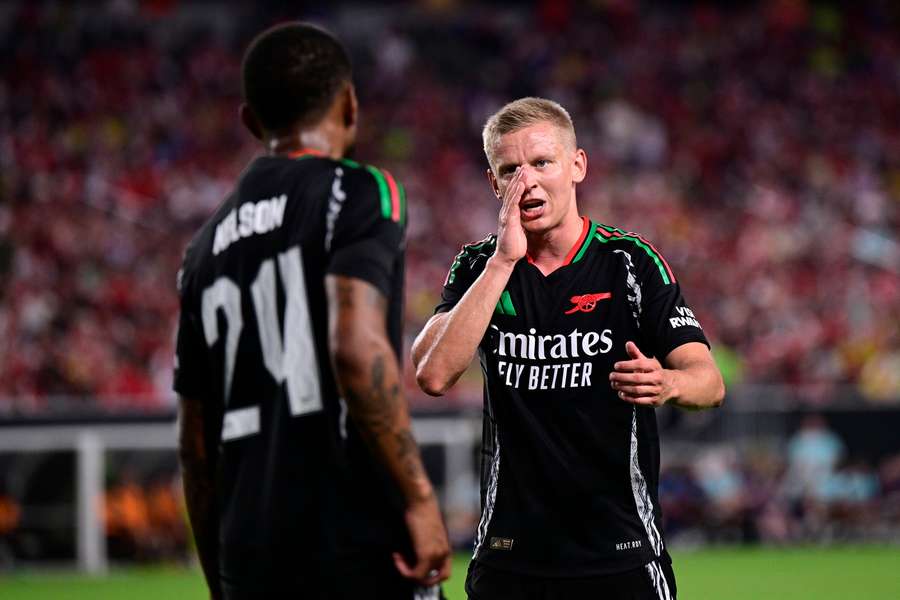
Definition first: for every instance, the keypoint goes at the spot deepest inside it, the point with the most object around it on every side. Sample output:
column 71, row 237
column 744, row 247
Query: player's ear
column 250, row 121
column 579, row 166
column 495, row 185
column 350, row 110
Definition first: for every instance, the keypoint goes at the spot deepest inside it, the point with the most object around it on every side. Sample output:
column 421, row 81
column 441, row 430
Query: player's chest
column 562, row 331
column 591, row 297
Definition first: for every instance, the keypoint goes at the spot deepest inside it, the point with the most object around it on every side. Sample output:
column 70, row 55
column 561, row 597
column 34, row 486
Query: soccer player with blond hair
column 582, row 331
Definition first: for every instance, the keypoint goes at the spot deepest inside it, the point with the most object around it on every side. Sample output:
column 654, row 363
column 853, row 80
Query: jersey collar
column 584, row 240
column 305, row 153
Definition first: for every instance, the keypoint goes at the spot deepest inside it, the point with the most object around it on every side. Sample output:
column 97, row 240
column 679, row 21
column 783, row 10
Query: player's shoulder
column 370, row 187
column 485, row 246
column 200, row 250
column 641, row 252
column 360, row 185
column 611, row 233
column 473, row 256
column 189, row 263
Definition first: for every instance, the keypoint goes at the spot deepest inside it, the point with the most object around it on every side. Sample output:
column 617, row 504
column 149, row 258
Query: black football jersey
column 570, row 471
column 297, row 489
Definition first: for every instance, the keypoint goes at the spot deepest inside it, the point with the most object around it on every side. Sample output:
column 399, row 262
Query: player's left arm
column 688, row 379
column 196, row 435
column 198, row 476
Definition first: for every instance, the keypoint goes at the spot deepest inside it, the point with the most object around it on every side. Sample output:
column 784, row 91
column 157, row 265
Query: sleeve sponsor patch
column 685, row 318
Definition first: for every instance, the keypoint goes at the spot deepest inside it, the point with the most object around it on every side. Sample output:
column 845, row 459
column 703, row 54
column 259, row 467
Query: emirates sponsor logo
column 587, row 302
column 539, row 347
column 553, row 353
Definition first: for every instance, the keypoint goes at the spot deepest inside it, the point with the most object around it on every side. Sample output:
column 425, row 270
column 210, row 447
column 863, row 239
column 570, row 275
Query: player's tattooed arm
column 198, row 474
column 369, row 378
column 375, row 416
column 368, row 375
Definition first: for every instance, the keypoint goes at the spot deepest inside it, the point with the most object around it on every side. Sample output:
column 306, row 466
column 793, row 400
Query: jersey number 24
column 289, row 358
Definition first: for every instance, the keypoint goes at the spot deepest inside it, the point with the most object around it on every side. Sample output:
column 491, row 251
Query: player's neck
column 548, row 250
column 325, row 139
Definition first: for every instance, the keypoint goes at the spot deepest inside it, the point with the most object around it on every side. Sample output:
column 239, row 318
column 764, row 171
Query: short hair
column 522, row 113
column 291, row 73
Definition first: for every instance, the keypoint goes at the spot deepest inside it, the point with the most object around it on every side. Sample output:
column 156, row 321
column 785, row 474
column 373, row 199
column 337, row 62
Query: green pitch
column 734, row 573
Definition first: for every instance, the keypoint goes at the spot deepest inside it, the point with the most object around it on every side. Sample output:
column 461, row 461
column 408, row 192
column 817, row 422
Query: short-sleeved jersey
column 297, row 489
column 569, row 470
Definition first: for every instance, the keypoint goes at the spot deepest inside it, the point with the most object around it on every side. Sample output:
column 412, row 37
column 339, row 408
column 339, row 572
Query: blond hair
column 522, row 113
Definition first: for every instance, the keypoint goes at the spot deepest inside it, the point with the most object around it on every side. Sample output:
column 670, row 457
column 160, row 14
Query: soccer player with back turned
column 582, row 331
column 301, row 476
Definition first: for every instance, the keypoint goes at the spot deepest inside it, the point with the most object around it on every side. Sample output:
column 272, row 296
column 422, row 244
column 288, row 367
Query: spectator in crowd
column 814, row 452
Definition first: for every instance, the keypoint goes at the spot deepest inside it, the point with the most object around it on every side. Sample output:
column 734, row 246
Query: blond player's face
column 551, row 169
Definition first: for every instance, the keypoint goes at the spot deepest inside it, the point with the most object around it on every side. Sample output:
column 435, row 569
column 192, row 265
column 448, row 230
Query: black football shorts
column 653, row 581
column 361, row 581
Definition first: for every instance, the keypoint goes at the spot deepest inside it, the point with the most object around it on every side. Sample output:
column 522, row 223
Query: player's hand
column 511, row 241
column 642, row 380
column 430, row 544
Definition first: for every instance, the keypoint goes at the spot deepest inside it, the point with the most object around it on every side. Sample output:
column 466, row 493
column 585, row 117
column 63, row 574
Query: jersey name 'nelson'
column 251, row 218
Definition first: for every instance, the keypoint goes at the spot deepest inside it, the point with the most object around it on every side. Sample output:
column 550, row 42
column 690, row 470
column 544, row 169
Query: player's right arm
column 365, row 252
column 446, row 345
column 368, row 375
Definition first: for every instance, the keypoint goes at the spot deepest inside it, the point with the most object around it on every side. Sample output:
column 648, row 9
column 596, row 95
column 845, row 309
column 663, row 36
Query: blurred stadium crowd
column 759, row 149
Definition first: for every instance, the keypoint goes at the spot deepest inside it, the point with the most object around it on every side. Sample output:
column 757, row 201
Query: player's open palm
column 641, row 380
column 430, row 544
column 511, row 241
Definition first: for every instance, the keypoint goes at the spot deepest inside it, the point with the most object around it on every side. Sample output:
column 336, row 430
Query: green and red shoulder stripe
column 392, row 195
column 606, row 233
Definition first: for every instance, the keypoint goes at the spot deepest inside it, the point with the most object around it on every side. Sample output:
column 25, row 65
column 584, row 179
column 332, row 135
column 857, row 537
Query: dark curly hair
column 290, row 74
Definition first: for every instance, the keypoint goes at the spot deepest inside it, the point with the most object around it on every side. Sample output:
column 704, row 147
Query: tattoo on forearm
column 374, row 393
column 344, row 294
column 408, row 452
column 348, row 294
column 376, row 409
